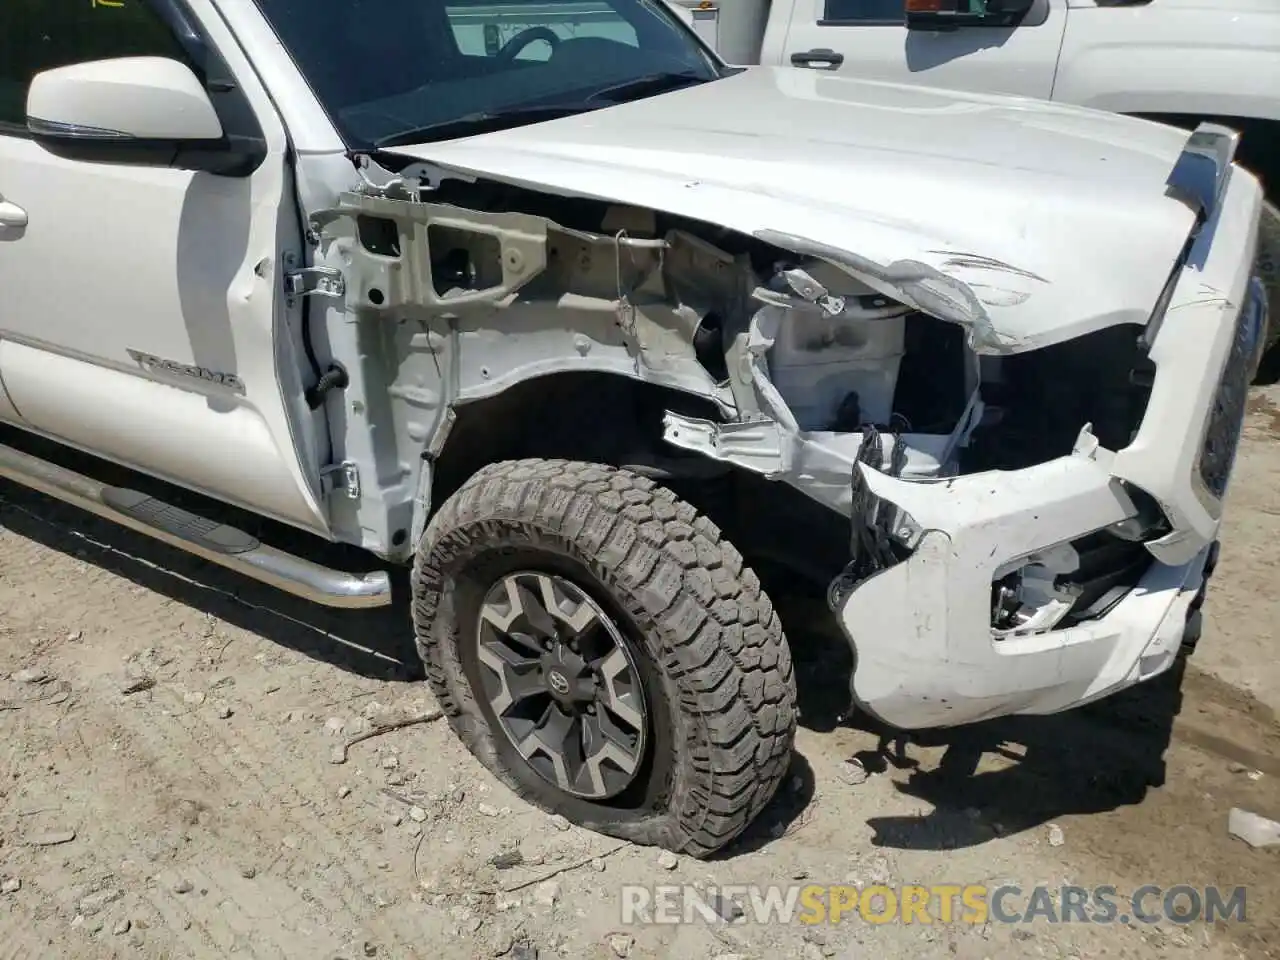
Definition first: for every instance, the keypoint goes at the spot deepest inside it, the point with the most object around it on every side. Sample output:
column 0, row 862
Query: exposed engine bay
column 795, row 370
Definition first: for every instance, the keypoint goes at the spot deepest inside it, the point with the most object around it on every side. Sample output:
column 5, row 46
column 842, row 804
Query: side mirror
column 148, row 111
column 949, row 14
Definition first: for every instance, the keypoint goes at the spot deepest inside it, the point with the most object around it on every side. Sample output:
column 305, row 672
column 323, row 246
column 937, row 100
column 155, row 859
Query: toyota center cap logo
column 558, row 682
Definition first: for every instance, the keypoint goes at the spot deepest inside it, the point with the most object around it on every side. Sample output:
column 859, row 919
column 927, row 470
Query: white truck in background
column 1180, row 62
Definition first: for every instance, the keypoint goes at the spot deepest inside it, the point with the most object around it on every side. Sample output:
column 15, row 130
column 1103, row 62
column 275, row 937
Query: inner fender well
column 589, row 416
column 611, row 419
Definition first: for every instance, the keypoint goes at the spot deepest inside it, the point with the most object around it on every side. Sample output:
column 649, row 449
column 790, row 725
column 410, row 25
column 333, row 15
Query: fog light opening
column 1030, row 597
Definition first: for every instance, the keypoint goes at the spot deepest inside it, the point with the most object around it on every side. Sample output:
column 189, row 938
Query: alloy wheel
column 561, row 680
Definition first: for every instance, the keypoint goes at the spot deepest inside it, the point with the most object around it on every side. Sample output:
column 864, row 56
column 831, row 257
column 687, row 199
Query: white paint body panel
column 178, row 265
column 127, row 96
column 1073, row 202
column 1200, row 57
column 1207, row 57
column 1017, row 61
column 155, row 425
column 922, row 629
column 7, row 410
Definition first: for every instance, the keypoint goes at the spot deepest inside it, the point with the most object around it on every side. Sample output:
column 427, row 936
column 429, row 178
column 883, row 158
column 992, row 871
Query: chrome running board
column 216, row 542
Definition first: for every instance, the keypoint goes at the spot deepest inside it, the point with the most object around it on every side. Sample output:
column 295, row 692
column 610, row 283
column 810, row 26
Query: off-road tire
column 696, row 615
column 1268, row 266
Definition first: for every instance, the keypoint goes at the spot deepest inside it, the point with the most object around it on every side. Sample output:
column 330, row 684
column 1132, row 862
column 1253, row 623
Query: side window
column 894, row 12
column 482, row 29
column 38, row 35
column 864, row 11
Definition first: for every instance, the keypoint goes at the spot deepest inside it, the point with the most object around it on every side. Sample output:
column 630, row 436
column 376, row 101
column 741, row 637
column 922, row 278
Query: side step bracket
column 216, row 542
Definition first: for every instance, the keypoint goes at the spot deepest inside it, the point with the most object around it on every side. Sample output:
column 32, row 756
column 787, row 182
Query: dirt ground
column 169, row 786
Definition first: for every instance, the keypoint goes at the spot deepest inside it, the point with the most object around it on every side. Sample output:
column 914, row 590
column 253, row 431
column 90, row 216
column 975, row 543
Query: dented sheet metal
column 927, row 288
column 1027, row 240
column 977, row 245
column 923, row 629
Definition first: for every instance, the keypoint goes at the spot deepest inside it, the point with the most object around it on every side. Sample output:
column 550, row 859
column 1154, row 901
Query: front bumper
column 921, row 630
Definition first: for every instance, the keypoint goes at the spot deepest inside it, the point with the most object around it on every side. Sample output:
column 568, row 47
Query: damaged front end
column 1054, row 583
column 1030, row 523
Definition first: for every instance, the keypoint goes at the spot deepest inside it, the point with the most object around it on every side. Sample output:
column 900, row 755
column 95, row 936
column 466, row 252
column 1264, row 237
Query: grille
column 1222, row 434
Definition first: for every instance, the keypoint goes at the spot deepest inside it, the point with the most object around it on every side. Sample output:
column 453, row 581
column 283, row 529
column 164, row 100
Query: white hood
column 1029, row 221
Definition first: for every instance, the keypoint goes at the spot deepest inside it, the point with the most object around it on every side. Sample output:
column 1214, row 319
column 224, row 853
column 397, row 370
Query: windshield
column 405, row 71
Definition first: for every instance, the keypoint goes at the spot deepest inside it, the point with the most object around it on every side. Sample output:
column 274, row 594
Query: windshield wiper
column 650, row 83
column 488, row 121
column 482, row 121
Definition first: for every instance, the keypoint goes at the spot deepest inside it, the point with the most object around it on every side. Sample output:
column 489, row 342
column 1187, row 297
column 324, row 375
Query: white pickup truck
column 1181, row 62
column 587, row 334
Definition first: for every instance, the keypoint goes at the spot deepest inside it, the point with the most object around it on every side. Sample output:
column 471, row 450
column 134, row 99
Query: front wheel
column 601, row 649
column 1267, row 267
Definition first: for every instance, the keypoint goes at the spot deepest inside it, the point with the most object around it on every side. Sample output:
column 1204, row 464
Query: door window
column 38, row 35
column 893, row 12
column 864, row 11
column 481, row 29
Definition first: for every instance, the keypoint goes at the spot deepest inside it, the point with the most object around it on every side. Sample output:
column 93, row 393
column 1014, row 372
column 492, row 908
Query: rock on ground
column 1254, row 830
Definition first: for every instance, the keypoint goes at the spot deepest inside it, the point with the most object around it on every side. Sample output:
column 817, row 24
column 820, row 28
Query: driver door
column 141, row 304
column 870, row 39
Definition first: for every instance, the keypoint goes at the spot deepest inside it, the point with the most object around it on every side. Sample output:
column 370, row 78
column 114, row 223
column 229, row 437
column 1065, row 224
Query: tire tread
column 721, row 642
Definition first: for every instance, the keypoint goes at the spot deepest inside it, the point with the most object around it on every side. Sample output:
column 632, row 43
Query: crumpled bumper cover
column 921, row 630
column 925, row 654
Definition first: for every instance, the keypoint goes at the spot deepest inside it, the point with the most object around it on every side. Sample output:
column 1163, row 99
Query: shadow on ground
column 989, row 779
column 1019, row 773
column 373, row 643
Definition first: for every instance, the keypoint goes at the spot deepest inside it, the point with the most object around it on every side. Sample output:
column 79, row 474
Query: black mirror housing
column 226, row 157
column 222, row 158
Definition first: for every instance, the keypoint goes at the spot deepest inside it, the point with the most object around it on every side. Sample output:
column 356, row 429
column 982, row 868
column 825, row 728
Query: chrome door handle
column 821, row 59
column 12, row 215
